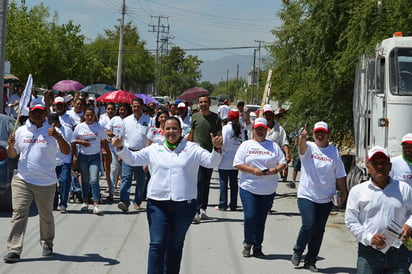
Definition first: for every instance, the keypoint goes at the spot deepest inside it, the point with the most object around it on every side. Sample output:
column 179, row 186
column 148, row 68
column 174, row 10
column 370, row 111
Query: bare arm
column 303, row 146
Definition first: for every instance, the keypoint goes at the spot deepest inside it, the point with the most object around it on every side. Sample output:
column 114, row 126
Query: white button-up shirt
column 173, row 173
column 135, row 131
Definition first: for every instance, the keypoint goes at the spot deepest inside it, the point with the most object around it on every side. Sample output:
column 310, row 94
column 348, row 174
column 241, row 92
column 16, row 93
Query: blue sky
column 193, row 23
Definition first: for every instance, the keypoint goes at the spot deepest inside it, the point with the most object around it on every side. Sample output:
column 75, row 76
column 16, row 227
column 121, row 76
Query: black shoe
column 257, row 252
column 296, row 257
column 11, row 258
column 47, row 251
column 246, row 251
column 311, row 267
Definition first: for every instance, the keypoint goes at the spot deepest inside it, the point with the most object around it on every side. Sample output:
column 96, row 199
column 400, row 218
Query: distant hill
column 216, row 70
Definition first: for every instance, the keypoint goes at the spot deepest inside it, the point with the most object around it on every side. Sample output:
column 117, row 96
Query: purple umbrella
column 146, row 98
column 193, row 93
column 67, row 85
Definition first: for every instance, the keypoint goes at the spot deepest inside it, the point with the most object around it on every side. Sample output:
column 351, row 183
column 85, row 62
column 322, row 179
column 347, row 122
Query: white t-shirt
column 277, row 134
column 223, row 111
column 370, row 209
column 14, row 98
column 401, row 170
column 38, row 151
column 93, row 133
column 320, row 169
column 67, row 134
column 185, row 124
column 135, row 131
column 173, row 173
column 77, row 117
column 230, row 146
column 262, row 155
column 116, row 125
column 67, row 120
column 104, row 121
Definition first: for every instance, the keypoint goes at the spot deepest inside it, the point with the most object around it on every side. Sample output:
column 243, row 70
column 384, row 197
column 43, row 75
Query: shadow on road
column 91, row 257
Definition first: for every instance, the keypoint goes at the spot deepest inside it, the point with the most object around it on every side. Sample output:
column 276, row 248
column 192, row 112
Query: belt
column 131, row 149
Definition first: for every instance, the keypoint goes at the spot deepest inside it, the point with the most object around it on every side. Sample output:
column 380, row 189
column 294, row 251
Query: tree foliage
column 316, row 50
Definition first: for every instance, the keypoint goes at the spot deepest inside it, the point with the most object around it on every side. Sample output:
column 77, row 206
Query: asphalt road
column 118, row 242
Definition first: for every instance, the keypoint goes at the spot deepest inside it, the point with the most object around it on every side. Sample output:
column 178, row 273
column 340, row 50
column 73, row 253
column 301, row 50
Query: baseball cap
column 377, row 150
column 181, row 105
column 225, row 101
column 233, row 115
column 58, row 99
column 407, row 138
column 268, row 107
column 68, row 97
column 37, row 104
column 321, row 126
column 260, row 122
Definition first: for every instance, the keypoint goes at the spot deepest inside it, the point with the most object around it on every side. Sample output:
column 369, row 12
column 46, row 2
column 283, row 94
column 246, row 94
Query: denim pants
column 255, row 211
column 227, row 176
column 63, row 173
column 203, row 186
column 89, row 166
column 127, row 176
column 372, row 261
column 23, row 194
column 168, row 224
column 314, row 217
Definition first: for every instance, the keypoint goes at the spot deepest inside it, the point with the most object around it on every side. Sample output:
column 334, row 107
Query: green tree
column 178, row 72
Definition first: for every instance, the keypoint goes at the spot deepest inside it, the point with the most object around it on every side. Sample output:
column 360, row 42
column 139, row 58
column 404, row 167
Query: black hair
column 176, row 119
column 160, row 112
column 237, row 128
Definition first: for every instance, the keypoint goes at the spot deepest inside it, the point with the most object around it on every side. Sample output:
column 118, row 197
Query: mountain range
column 215, row 71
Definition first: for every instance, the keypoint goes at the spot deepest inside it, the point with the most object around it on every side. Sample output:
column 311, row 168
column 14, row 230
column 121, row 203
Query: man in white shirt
column 37, row 143
column 60, row 108
column 134, row 132
column 14, row 100
column 402, row 164
column 375, row 209
column 223, row 110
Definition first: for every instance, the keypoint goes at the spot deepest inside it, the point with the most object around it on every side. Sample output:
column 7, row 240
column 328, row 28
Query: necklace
column 172, row 146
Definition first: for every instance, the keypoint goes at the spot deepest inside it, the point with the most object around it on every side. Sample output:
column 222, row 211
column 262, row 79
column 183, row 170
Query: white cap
column 376, row 150
column 37, row 104
column 268, row 107
column 68, row 97
column 407, row 138
column 260, row 122
column 58, row 99
column 181, row 105
column 321, row 126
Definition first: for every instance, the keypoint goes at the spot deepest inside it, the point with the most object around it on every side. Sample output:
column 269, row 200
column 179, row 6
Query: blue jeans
column 127, row 176
column 203, row 186
column 226, row 177
column 255, row 211
column 89, row 166
column 168, row 224
column 373, row 261
column 63, row 173
column 314, row 217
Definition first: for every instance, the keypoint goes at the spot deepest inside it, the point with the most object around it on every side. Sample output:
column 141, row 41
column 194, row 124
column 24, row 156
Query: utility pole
column 120, row 53
column 237, row 82
column 258, row 72
column 227, row 82
column 159, row 29
column 3, row 24
column 253, row 76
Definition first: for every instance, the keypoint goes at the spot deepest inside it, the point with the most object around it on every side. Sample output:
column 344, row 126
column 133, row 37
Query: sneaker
column 123, row 207
column 203, row 215
column 311, row 267
column 291, row 184
column 220, row 208
column 11, row 258
column 97, row 210
column 85, row 207
column 246, row 250
column 296, row 257
column 257, row 252
column 196, row 219
column 47, row 251
column 63, row 209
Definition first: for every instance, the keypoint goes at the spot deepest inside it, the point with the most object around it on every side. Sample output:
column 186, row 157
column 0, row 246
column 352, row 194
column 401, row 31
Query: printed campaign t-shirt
column 93, row 133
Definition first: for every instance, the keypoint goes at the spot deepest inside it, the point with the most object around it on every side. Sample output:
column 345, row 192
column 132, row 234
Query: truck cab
column 382, row 102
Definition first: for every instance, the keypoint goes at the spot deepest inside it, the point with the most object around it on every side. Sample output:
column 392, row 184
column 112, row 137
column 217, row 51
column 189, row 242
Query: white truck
column 382, row 102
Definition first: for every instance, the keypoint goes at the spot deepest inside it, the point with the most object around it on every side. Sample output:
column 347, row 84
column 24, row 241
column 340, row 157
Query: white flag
column 25, row 98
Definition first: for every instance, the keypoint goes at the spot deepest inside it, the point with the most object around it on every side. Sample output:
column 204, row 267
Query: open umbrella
column 117, row 96
column 98, row 89
column 10, row 78
column 67, row 85
column 193, row 93
column 147, row 98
